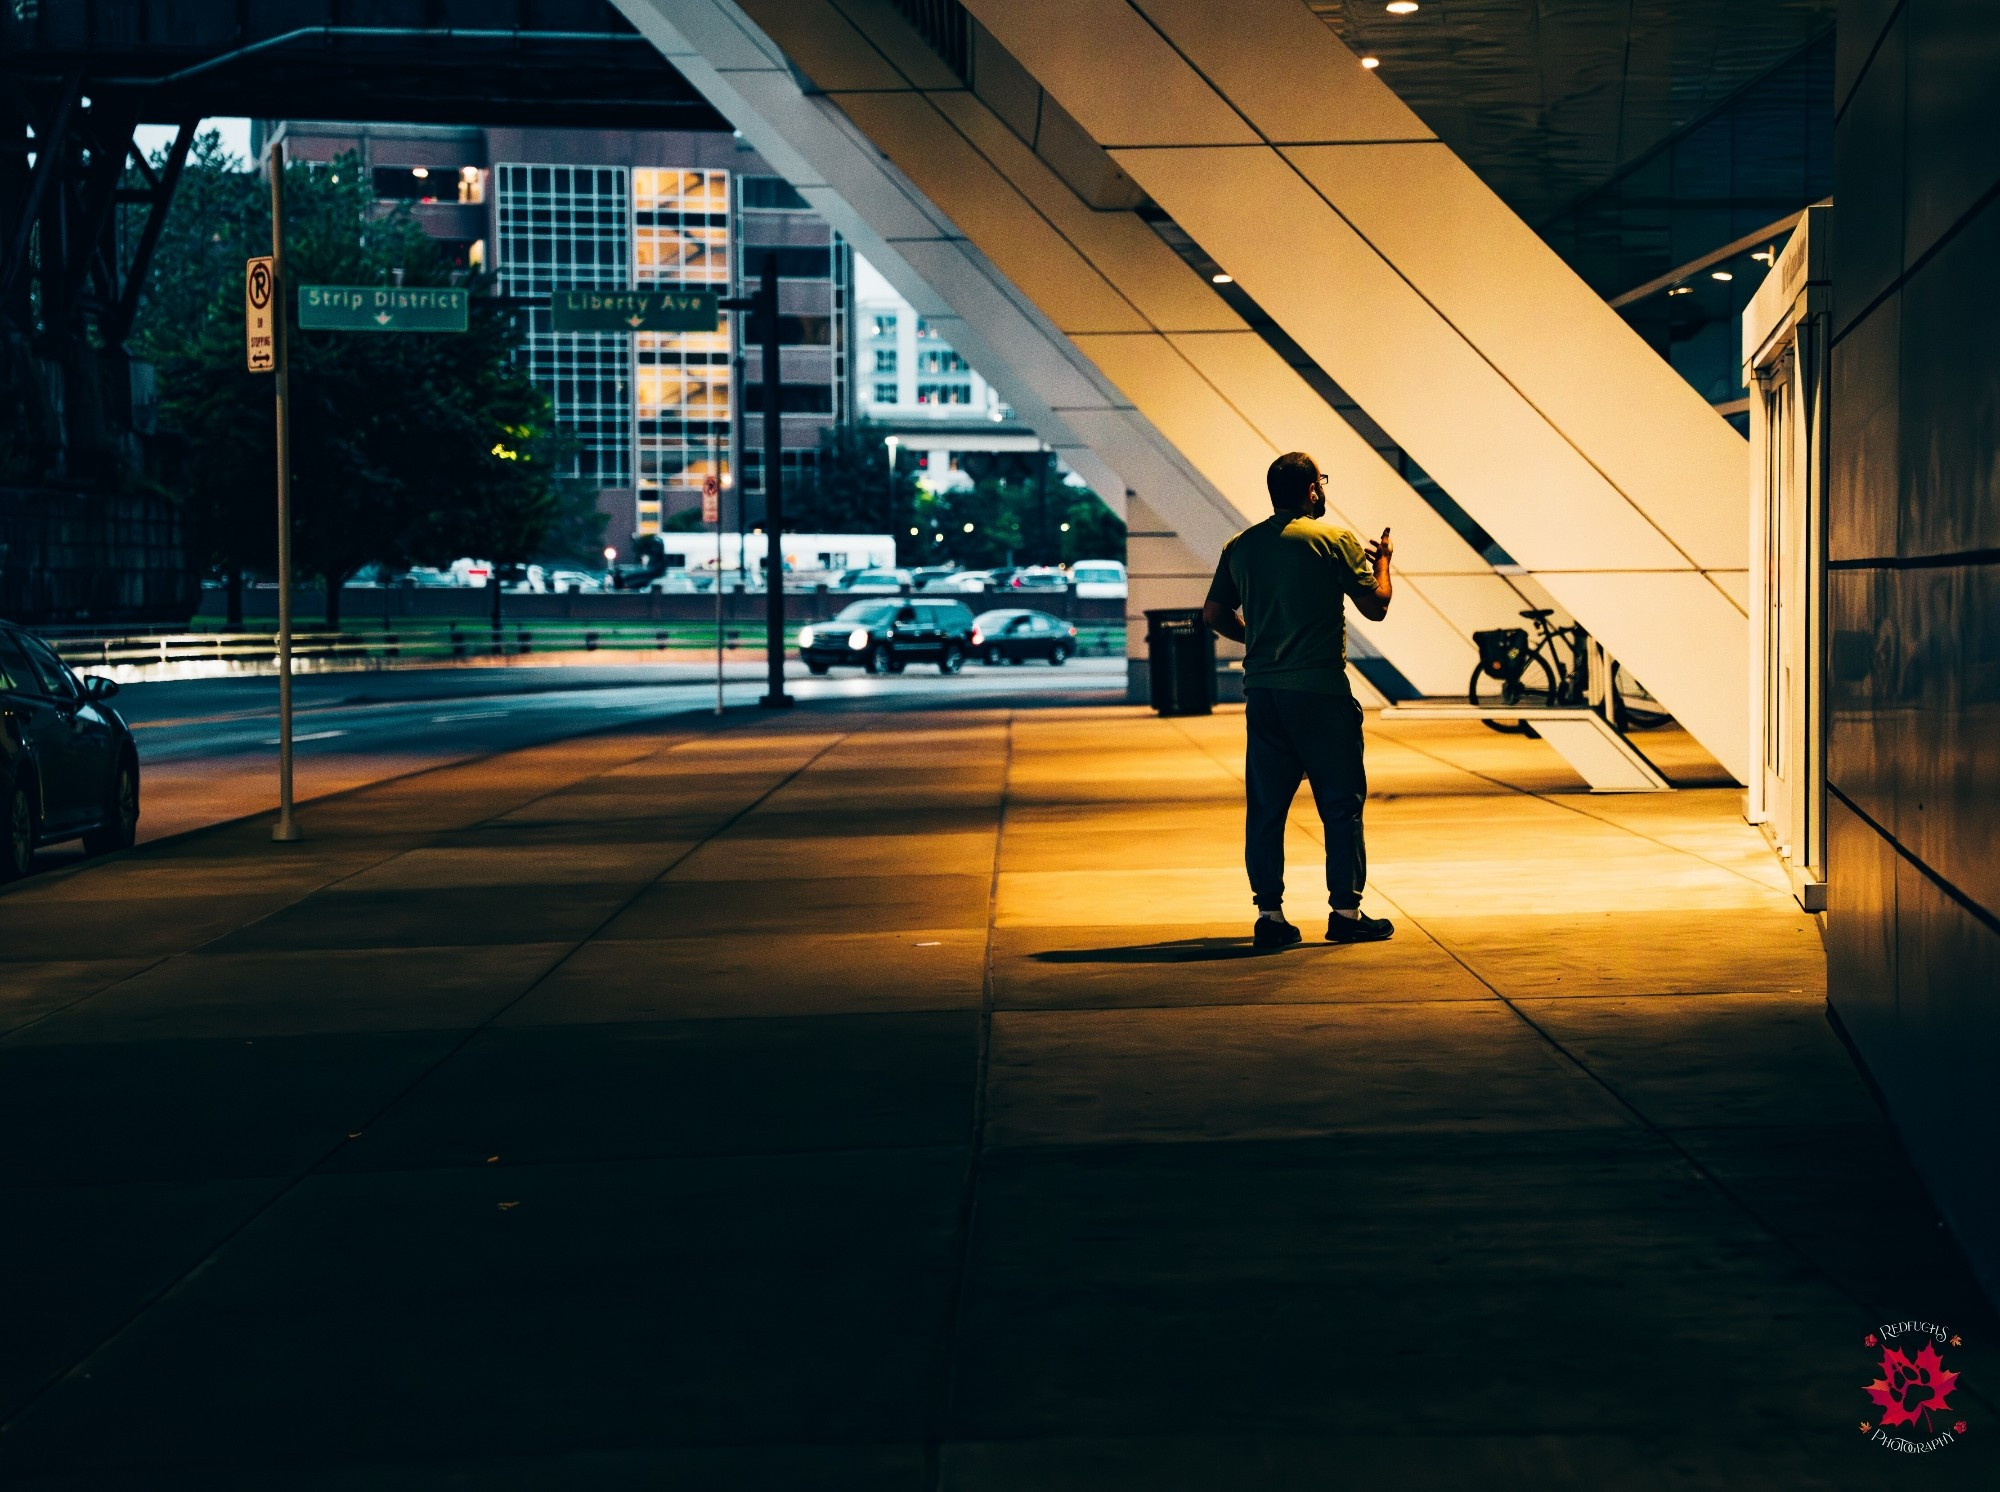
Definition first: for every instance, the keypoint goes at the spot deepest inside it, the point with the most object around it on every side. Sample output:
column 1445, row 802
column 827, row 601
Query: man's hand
column 1374, row 604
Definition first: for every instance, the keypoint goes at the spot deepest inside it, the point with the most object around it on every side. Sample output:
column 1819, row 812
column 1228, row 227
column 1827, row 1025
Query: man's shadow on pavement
column 1180, row 951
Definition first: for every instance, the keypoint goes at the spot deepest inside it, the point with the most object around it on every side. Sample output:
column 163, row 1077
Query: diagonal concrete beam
column 1155, row 329
column 785, row 116
column 1454, row 326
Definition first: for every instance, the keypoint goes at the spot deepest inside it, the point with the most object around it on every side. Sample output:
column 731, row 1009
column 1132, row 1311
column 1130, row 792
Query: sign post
column 286, row 830
column 711, row 512
column 764, row 307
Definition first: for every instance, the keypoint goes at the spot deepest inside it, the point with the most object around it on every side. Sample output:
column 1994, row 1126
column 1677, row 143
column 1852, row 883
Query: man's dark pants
column 1295, row 733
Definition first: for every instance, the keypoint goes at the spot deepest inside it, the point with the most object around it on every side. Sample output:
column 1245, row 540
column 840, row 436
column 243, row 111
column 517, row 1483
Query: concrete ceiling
column 1549, row 99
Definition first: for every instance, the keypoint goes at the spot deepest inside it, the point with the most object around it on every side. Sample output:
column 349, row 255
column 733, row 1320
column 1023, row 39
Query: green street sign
column 380, row 308
column 633, row 310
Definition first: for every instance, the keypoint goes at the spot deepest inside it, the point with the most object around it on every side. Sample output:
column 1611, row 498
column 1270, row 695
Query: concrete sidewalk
column 860, row 1101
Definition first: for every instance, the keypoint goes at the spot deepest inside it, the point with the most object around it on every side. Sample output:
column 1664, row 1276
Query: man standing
column 1286, row 577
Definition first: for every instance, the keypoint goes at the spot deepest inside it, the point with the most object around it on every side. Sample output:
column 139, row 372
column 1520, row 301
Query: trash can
column 1180, row 657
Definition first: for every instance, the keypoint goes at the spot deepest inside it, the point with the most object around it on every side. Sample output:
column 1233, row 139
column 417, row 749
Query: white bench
column 1583, row 738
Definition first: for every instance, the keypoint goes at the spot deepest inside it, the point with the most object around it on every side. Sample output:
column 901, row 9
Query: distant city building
column 544, row 210
column 917, row 387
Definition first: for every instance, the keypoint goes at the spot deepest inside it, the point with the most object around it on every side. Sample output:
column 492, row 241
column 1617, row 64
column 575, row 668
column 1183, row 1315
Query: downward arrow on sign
column 635, row 321
column 382, row 317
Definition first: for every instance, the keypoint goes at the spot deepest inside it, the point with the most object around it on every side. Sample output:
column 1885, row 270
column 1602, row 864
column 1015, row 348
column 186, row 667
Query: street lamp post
column 891, row 442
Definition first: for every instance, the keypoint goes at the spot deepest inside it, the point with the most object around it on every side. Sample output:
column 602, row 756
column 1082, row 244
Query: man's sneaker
column 1362, row 929
column 1271, row 933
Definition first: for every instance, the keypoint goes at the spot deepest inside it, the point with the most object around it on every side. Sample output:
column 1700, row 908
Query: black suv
column 68, row 768
column 885, row 636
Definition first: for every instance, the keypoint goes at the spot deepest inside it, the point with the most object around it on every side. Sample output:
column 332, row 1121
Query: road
column 208, row 747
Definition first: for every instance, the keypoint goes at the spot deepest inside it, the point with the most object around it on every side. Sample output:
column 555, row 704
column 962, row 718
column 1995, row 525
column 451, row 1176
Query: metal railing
column 422, row 644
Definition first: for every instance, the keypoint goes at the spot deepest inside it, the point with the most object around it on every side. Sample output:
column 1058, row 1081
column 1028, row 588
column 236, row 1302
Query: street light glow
column 968, row 528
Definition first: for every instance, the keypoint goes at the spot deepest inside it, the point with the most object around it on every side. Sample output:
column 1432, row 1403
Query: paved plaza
column 891, row 1100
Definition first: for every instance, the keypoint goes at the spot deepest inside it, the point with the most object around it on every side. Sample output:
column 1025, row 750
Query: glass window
column 56, row 680
column 564, row 229
column 772, row 194
column 868, row 613
column 14, row 671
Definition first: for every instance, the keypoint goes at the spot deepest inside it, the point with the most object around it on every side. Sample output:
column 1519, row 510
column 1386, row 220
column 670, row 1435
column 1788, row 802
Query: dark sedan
column 68, row 767
column 885, row 636
column 1015, row 636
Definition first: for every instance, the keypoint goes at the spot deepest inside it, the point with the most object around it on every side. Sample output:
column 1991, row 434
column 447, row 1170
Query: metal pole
column 715, row 476
column 286, row 831
column 774, row 493
column 738, row 434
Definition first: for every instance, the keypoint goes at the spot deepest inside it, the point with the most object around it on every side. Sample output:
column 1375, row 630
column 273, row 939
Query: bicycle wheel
column 1625, row 715
column 1534, row 689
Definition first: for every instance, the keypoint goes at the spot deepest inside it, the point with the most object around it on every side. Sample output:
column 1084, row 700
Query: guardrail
column 206, row 654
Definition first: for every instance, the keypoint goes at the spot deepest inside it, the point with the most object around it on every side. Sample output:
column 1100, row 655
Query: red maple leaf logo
column 1911, row 1386
column 1869, row 1340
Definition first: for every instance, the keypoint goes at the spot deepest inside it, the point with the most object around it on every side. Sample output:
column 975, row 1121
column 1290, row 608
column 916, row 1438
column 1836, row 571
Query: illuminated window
column 681, row 237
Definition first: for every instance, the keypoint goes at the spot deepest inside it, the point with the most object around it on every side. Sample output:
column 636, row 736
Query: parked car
column 932, row 577
column 68, row 765
column 1015, row 636
column 1098, row 580
column 964, row 583
column 1011, row 578
column 561, row 581
column 887, row 636
column 880, row 581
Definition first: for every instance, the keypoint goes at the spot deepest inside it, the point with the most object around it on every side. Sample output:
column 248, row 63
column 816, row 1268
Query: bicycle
column 1511, row 671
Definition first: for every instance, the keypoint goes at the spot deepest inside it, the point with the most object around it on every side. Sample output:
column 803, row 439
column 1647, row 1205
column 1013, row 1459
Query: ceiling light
column 1219, row 278
column 1722, row 274
column 1681, row 290
column 1371, row 63
column 420, row 172
column 1401, row 7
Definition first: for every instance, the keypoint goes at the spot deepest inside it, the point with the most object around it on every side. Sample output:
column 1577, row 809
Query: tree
column 1019, row 511
column 1092, row 530
column 852, row 489
column 406, row 447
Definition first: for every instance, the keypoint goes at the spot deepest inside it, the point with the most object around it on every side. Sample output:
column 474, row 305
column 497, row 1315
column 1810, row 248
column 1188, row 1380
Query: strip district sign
column 633, row 311
column 381, row 308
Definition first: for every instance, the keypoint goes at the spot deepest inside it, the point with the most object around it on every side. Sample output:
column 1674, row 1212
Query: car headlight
column 805, row 637
column 858, row 639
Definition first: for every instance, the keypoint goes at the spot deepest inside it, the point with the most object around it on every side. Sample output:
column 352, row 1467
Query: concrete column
column 1417, row 290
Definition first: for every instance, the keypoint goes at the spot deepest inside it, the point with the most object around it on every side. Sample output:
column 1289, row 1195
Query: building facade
column 915, row 386
column 536, row 211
